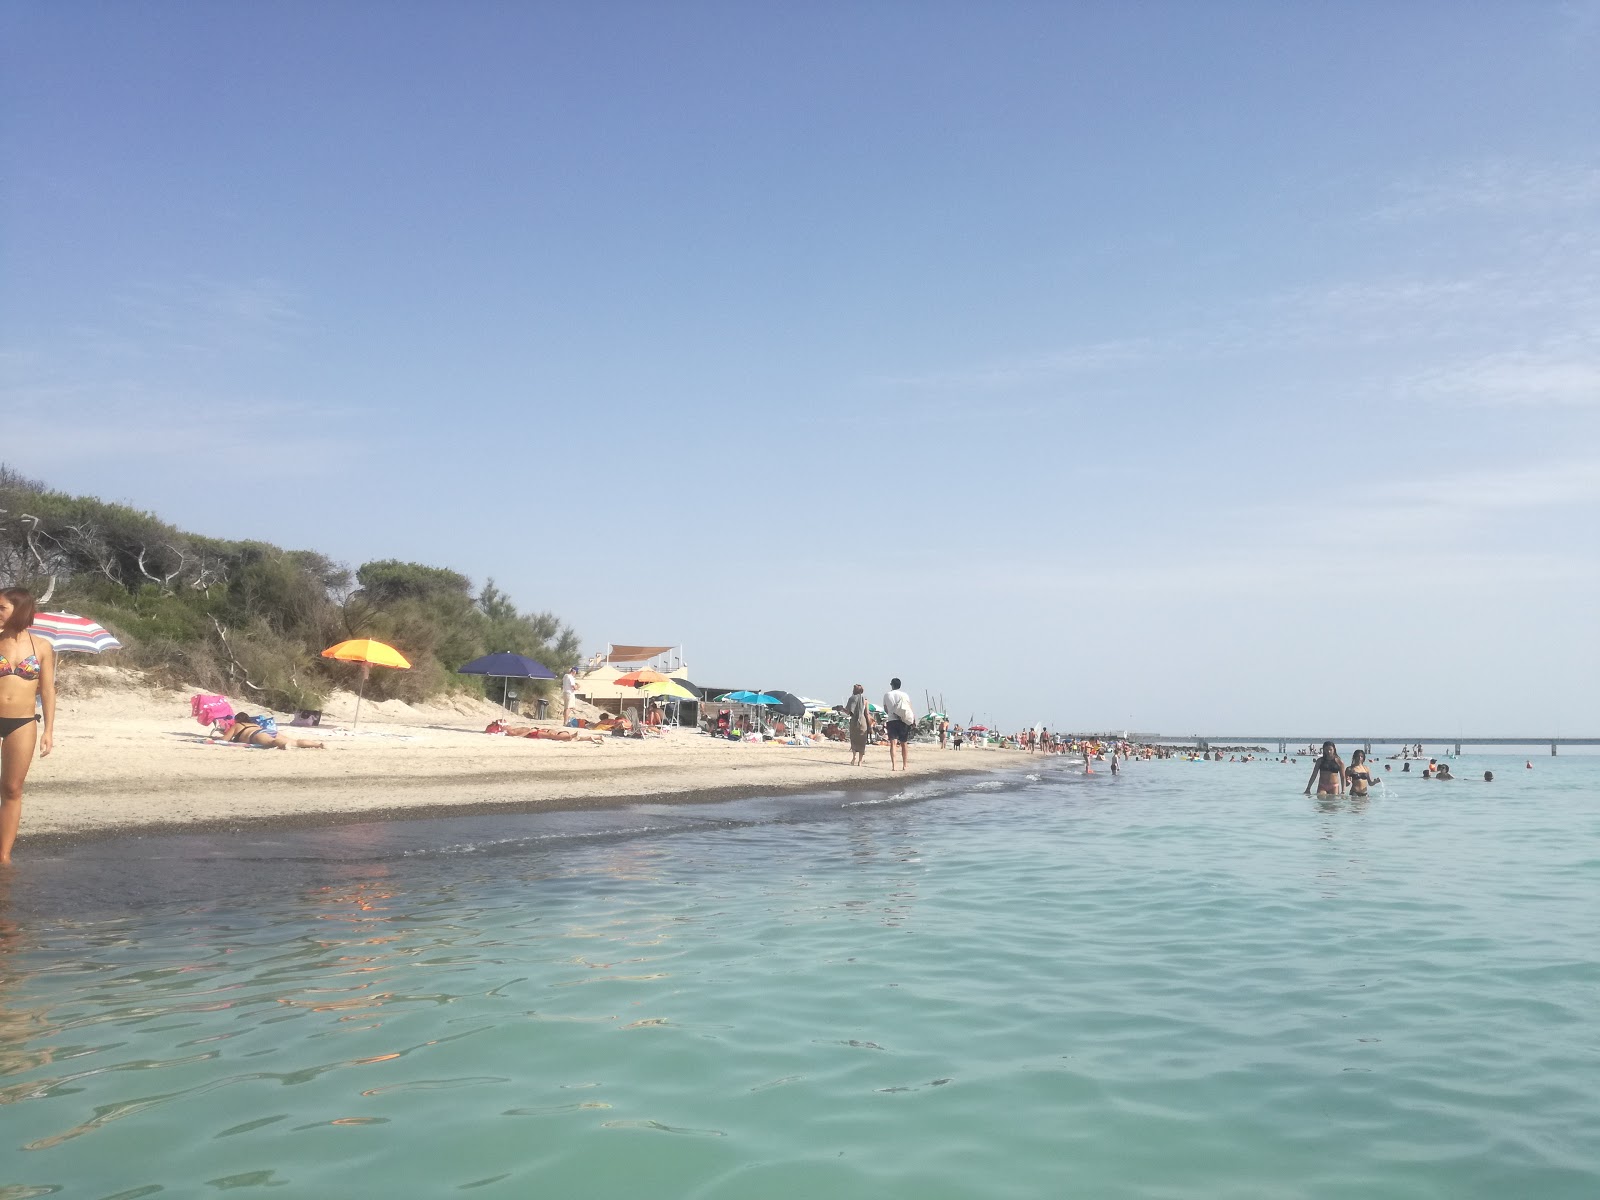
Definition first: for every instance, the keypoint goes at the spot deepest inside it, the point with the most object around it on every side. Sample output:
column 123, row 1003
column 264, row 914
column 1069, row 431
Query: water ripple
column 1179, row 983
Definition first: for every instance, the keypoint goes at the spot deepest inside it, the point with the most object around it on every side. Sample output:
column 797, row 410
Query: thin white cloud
column 1461, row 511
column 1026, row 371
column 1582, row 19
column 178, row 370
column 1547, row 485
column 206, row 316
column 1497, row 187
column 1519, row 378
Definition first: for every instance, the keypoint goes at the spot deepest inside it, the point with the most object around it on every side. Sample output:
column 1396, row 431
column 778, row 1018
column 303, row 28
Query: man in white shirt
column 902, row 720
column 569, row 688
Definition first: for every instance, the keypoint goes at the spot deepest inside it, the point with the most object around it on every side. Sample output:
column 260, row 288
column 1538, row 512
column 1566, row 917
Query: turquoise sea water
column 1191, row 981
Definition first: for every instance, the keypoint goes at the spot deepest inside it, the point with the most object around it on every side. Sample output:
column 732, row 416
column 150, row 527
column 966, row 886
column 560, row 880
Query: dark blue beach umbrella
column 507, row 666
column 789, row 704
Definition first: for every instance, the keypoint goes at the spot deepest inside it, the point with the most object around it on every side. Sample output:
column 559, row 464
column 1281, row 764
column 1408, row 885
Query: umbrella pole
column 366, row 669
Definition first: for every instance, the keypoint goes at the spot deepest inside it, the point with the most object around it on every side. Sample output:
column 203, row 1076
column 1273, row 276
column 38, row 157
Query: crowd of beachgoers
column 135, row 764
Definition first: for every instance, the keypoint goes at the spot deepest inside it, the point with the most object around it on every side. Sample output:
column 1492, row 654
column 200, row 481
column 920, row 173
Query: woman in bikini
column 246, row 732
column 27, row 677
column 1358, row 775
column 1327, row 772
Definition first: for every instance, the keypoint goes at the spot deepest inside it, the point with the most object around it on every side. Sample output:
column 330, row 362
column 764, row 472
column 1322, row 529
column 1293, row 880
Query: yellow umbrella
column 368, row 653
column 669, row 688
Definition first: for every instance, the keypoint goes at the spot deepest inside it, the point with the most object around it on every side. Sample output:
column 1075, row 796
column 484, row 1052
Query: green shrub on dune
column 248, row 618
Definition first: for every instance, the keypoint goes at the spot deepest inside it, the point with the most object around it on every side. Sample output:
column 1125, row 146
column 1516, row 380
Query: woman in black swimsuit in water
column 27, row 671
column 1327, row 772
column 1358, row 775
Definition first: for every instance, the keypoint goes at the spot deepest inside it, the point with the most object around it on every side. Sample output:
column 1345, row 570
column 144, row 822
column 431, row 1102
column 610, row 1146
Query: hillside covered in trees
column 249, row 619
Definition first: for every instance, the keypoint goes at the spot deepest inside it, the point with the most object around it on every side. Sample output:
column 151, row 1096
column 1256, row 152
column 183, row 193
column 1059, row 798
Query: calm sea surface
column 1191, row 981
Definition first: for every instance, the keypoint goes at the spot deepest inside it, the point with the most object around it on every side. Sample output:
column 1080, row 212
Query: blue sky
column 1181, row 366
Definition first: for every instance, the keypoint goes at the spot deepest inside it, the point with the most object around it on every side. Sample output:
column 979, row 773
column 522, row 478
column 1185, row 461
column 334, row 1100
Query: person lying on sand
column 545, row 735
column 625, row 727
column 246, row 732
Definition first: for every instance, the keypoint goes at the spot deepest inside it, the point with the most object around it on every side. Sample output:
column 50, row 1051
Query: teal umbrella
column 750, row 698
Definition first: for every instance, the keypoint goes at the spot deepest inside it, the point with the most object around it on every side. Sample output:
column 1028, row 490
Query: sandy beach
column 129, row 757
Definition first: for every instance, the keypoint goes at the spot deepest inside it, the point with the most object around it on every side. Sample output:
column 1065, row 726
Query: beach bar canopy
column 506, row 666
column 634, row 654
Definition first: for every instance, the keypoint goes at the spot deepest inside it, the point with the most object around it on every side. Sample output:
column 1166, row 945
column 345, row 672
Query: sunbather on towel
column 562, row 735
column 544, row 735
column 247, row 733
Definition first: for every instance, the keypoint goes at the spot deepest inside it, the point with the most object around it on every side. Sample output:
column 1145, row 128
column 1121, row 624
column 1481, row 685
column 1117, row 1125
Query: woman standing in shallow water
column 1358, row 775
column 1327, row 772
column 27, row 671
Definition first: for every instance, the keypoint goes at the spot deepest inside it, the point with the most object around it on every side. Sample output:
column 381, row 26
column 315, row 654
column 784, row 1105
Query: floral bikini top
column 27, row 669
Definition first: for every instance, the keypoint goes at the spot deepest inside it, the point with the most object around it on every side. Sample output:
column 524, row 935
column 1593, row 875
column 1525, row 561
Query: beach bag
column 268, row 724
column 209, row 709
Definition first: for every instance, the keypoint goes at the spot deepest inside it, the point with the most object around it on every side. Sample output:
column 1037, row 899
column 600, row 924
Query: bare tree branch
column 236, row 669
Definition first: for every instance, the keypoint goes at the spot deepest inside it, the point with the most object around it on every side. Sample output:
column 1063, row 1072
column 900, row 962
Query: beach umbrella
column 65, row 631
column 756, row 699
column 369, row 654
column 978, row 728
column 667, row 689
column 789, row 704
column 750, row 698
column 506, row 666
column 637, row 678
column 670, row 688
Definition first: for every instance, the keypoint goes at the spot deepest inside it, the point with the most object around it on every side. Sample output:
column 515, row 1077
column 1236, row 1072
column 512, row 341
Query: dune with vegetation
column 248, row 619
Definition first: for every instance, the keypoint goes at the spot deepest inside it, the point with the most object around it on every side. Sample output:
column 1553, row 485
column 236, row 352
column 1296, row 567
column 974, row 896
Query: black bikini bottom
column 9, row 725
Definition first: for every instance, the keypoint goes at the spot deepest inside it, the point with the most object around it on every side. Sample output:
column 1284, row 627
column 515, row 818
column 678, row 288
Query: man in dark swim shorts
column 902, row 721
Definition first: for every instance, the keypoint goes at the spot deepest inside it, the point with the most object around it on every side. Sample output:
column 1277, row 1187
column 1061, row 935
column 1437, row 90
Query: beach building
column 597, row 678
column 597, row 685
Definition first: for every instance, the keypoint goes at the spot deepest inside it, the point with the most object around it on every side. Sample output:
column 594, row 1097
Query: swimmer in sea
column 1358, row 775
column 1327, row 772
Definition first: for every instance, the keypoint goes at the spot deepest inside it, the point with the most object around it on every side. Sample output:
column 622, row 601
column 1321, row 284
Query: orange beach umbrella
column 368, row 653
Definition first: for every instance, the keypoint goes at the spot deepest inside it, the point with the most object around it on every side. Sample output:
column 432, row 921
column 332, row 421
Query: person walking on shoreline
column 860, row 724
column 27, row 672
column 902, row 721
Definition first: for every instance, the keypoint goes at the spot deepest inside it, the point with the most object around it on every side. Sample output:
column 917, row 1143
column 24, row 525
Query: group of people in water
column 1333, row 778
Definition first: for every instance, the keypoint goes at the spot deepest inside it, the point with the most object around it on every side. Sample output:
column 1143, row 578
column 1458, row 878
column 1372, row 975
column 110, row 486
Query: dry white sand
column 128, row 756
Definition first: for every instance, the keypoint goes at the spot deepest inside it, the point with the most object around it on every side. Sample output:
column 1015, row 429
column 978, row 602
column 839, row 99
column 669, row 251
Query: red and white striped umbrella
column 68, row 632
